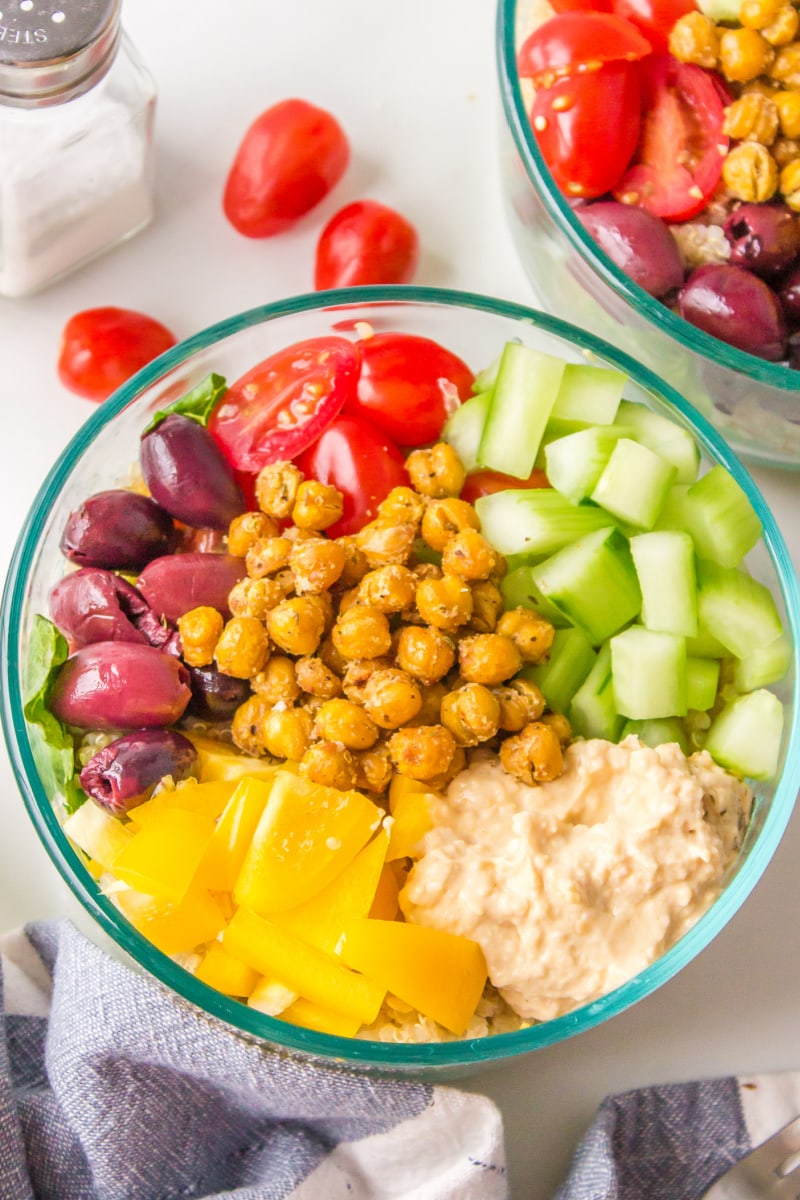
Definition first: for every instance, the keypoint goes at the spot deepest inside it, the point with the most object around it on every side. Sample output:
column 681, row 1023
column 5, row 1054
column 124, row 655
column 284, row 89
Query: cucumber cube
column 575, row 463
column 664, row 561
column 593, row 713
column 648, row 670
column 766, row 665
column 524, row 393
column 520, row 591
column 570, row 660
column 588, row 395
column 593, row 582
column 463, row 429
column 704, row 644
column 658, row 732
column 535, row 521
column 721, row 519
column 736, row 609
column 634, row 484
column 486, row 379
column 675, row 509
column 745, row 737
column 702, row 681
column 666, row 438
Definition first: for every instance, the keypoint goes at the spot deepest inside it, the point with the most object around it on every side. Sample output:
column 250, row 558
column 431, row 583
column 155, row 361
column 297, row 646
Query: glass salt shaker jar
column 77, row 110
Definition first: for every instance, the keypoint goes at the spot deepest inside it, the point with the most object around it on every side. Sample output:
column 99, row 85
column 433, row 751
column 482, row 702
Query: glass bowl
column 101, row 455
column 754, row 404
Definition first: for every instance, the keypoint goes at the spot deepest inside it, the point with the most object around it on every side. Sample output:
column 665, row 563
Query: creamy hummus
column 574, row 886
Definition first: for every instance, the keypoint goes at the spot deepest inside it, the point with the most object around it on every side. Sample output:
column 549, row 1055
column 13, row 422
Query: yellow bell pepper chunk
column 411, row 820
column 223, row 859
column 306, row 970
column 322, row 919
column 314, row 1016
column 385, row 905
column 217, row 760
column 440, row 974
column 97, row 833
column 227, row 974
column 271, row 997
column 307, row 835
column 196, row 920
column 207, row 798
column 162, row 858
column 404, row 785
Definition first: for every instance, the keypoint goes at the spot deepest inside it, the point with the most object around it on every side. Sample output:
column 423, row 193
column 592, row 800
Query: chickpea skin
column 243, row 647
column 471, row 713
column 423, row 751
column 276, row 488
column 247, row 528
column 296, row 625
column 342, row 721
column 287, row 732
column 316, row 565
column 330, row 765
column 530, row 633
column 427, row 654
column 488, row 658
column 437, row 471
column 277, row 683
column 317, row 505
column 362, row 632
column 200, row 629
column 534, row 755
column 391, row 697
column 443, row 519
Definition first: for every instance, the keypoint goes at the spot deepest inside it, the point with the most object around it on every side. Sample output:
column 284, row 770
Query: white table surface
column 413, row 83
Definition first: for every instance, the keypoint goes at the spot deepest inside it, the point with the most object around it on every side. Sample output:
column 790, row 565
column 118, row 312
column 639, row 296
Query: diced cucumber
column 520, row 591
column 766, row 665
column 535, row 521
column 721, row 519
column 570, row 660
column 664, row 562
column 592, row 713
column 464, row 428
column 704, row 644
column 588, row 395
column 675, row 509
column 575, row 463
column 745, row 736
column 738, row 610
column 666, row 438
column 486, row 379
column 648, row 670
column 661, row 731
column 720, row 10
column 593, row 582
column 634, row 484
column 524, row 393
column 702, row 681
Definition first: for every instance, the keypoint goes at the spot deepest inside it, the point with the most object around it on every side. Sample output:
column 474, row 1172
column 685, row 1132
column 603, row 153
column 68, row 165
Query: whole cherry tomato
column 654, row 18
column 359, row 460
column 282, row 405
column 102, row 347
column 581, row 5
column 577, row 41
column 678, row 162
column 366, row 242
column 408, row 386
column 587, row 127
column 484, row 483
column 289, row 159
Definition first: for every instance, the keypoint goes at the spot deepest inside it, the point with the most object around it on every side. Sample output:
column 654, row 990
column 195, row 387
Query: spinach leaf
column 198, row 404
column 51, row 742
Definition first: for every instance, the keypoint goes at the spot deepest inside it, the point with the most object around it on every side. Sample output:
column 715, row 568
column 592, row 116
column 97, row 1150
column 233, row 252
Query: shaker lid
column 52, row 50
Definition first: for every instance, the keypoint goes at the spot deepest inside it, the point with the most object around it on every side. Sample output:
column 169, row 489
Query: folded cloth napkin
column 112, row 1088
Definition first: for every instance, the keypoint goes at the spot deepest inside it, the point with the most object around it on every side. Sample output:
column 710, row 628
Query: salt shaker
column 76, row 138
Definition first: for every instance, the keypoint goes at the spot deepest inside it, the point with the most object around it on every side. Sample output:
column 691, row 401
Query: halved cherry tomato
column 587, row 127
column 359, row 460
column 366, row 242
column 283, row 404
column 654, row 18
column 581, row 5
column 484, row 483
column 289, row 159
column 408, row 386
column 678, row 161
column 578, row 41
column 102, row 347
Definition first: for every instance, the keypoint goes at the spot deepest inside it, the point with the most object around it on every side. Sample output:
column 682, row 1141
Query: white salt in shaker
column 76, row 138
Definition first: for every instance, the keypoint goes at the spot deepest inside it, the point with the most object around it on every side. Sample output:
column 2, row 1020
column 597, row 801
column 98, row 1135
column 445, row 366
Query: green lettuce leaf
column 198, row 404
column 52, row 744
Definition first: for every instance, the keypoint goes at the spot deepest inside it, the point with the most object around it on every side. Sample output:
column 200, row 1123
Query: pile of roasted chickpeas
column 386, row 650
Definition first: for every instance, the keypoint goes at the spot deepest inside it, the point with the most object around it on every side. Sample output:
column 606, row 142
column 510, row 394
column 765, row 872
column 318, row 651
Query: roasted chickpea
column 443, row 519
column 267, row 555
column 277, row 683
column 330, row 765
column 425, row 653
column 317, row 505
column 276, row 488
column 560, row 726
column 246, row 726
column 331, row 656
column 445, row 603
column 316, row 564
column 254, row 597
column 362, row 632
column 521, row 702
column 402, row 507
column 324, row 602
column 200, row 629
column 356, row 674
column 287, row 732
column 432, row 697
column 426, row 570
column 247, row 528
column 390, row 588
column 373, row 768
column 317, row 679
column 744, row 54
column 355, row 562
column 471, row 713
column 242, row 648
column 422, row 751
column 383, row 544
column 343, row 721
column 391, row 697
column 436, row 471
column 296, row 625
column 534, row 755
column 488, row 658
column 530, row 633
column 469, row 555
column 487, row 604
column 439, row 783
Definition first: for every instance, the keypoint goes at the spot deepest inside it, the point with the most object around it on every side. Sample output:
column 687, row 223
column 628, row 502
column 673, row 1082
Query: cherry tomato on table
column 366, row 242
column 359, row 460
column 654, row 18
column 576, row 41
column 289, row 159
column 484, row 483
column 408, row 386
column 102, row 347
column 282, row 405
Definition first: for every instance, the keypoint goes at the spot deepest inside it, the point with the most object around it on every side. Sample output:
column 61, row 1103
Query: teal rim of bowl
column 661, row 317
column 387, row 1057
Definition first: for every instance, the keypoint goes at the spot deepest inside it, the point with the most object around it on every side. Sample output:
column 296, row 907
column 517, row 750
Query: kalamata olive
column 174, row 584
column 736, row 307
column 119, row 530
column 215, row 697
column 121, row 775
column 93, row 605
column 188, row 474
column 764, row 238
column 120, row 685
column 789, row 296
column 637, row 241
